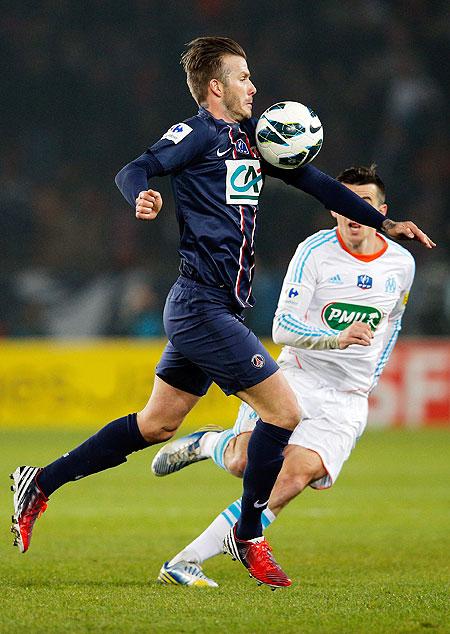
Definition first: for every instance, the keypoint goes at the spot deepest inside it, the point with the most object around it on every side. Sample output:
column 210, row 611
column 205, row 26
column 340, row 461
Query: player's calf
column 301, row 466
column 235, row 457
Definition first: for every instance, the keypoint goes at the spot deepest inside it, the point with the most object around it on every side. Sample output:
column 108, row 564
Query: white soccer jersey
column 326, row 288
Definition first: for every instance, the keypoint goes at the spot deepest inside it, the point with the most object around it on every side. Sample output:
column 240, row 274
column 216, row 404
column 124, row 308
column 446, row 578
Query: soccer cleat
column 256, row 556
column 29, row 504
column 182, row 452
column 185, row 573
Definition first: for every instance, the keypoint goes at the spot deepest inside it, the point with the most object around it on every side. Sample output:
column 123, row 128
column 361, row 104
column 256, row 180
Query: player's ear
column 216, row 87
column 383, row 209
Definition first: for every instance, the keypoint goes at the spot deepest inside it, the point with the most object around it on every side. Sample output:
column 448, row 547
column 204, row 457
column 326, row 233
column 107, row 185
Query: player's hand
column 357, row 333
column 148, row 204
column 406, row 230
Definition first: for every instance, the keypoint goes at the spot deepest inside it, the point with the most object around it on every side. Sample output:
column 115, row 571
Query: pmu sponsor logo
column 244, row 181
column 339, row 315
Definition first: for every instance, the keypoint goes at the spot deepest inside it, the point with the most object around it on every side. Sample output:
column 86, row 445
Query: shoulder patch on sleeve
column 291, row 292
column 177, row 132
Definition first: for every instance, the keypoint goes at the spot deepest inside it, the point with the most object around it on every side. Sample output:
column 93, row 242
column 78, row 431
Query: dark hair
column 362, row 175
column 202, row 61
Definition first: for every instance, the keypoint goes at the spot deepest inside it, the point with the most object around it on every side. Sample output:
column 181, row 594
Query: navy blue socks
column 108, row 448
column 265, row 457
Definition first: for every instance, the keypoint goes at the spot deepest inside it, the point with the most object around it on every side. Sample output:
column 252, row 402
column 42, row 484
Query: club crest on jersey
column 339, row 315
column 244, row 181
column 258, row 361
column 391, row 285
column 364, row 282
column 177, row 132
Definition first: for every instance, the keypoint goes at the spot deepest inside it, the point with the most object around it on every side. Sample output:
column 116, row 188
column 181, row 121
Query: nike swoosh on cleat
column 259, row 505
column 219, row 154
column 314, row 130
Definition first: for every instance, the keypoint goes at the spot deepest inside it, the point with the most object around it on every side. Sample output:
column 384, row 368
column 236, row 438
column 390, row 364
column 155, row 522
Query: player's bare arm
column 406, row 230
column 357, row 333
column 148, row 204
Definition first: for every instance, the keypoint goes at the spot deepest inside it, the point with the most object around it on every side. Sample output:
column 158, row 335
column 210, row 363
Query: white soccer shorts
column 332, row 422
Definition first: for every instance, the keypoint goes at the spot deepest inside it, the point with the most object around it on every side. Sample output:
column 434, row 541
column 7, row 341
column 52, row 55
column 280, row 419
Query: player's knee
column 156, row 436
column 291, row 415
column 287, row 416
column 236, row 465
column 155, row 430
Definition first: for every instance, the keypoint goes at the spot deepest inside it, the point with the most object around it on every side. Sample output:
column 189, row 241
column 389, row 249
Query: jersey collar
column 363, row 257
column 203, row 112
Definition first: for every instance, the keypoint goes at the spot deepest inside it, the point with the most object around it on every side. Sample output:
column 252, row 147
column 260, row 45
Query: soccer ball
column 289, row 134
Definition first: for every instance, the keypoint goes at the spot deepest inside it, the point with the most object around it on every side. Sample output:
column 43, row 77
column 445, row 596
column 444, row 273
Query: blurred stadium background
column 87, row 86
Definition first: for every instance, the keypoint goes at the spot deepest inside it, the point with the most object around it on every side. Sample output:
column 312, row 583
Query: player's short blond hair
column 202, row 61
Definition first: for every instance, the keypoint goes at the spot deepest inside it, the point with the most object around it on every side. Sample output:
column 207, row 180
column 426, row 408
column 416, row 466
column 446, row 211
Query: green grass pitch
column 370, row 555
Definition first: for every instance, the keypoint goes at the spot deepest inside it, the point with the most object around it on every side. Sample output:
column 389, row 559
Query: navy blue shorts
column 209, row 342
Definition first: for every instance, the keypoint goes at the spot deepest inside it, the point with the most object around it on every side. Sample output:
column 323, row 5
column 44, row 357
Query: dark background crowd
column 87, row 86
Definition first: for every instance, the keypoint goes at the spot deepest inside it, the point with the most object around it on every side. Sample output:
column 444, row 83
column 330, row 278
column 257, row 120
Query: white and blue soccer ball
column 289, row 134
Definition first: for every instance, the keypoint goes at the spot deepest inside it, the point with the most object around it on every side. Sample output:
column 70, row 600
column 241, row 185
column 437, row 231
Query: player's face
column 238, row 90
column 353, row 233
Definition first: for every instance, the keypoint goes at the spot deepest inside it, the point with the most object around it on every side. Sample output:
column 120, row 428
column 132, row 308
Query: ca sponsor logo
column 244, row 181
column 339, row 315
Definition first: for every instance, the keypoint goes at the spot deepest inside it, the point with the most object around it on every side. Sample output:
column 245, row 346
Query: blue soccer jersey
column 217, row 177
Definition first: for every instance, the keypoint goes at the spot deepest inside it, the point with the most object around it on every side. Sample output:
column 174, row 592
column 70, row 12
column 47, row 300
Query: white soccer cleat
column 185, row 573
column 182, row 452
column 29, row 504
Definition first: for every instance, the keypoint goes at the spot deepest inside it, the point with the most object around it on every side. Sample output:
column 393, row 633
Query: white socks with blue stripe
column 210, row 542
column 214, row 444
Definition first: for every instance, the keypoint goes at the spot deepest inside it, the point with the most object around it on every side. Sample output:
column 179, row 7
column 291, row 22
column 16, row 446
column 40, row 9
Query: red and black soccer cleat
column 256, row 556
column 29, row 504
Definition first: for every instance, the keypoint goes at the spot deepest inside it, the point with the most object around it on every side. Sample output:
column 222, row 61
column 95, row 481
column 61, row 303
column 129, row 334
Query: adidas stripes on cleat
column 182, row 452
column 184, row 573
column 29, row 504
column 256, row 556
